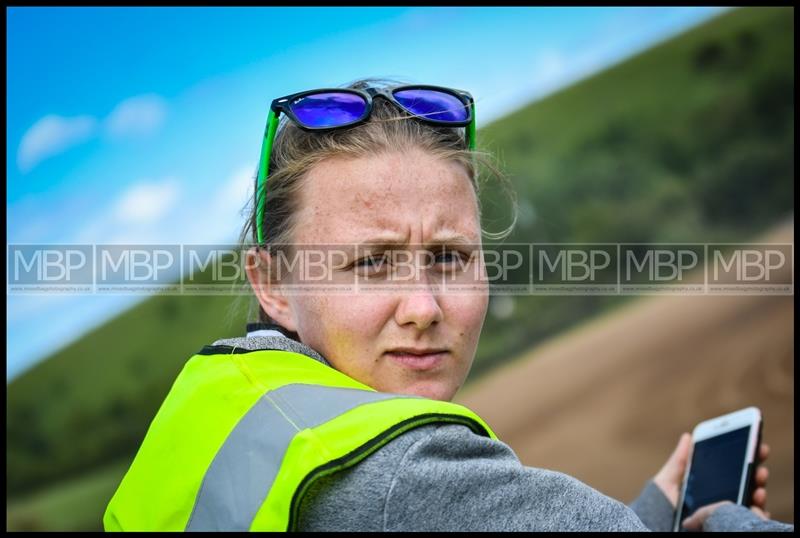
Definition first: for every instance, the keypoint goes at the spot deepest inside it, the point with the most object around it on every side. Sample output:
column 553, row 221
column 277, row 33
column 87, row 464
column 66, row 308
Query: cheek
column 467, row 313
column 342, row 326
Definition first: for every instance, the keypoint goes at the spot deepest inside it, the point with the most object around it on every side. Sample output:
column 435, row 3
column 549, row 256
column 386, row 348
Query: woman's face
column 415, row 338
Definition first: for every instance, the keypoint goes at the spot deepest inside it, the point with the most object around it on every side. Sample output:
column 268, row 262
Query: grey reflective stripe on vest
column 241, row 474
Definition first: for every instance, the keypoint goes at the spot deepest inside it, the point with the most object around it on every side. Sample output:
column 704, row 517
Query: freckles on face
column 339, row 326
column 412, row 201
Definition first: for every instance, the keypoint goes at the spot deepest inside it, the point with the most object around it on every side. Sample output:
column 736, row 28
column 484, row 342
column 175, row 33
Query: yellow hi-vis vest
column 243, row 434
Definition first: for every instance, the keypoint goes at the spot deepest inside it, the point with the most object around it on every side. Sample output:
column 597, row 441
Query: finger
column 762, row 474
column 759, row 512
column 676, row 464
column 695, row 521
column 760, row 498
column 763, row 451
column 669, row 477
column 681, row 453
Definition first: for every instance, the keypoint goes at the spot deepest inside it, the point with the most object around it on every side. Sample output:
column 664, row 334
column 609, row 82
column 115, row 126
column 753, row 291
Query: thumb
column 670, row 476
column 676, row 464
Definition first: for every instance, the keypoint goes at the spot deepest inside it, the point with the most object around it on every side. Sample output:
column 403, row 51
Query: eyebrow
column 389, row 242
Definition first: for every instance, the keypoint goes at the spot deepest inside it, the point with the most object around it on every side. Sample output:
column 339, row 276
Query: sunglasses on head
column 334, row 108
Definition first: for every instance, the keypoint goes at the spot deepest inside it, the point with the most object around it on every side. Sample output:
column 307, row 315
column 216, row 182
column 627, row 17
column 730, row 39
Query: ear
column 269, row 296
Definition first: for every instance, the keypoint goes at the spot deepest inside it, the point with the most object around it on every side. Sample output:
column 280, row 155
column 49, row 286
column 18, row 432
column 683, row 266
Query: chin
column 430, row 391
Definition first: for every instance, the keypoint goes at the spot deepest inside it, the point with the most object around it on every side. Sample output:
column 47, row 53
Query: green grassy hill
column 690, row 141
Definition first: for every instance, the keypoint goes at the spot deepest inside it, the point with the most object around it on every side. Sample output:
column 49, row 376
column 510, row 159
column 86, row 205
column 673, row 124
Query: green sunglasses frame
column 281, row 104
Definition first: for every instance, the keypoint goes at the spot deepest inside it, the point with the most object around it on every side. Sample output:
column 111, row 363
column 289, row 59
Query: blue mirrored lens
column 433, row 104
column 329, row 109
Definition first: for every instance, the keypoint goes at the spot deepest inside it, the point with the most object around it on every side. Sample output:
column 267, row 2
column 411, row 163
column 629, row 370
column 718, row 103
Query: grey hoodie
column 444, row 477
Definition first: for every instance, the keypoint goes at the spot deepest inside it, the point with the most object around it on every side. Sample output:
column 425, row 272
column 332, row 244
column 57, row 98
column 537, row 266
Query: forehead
column 412, row 195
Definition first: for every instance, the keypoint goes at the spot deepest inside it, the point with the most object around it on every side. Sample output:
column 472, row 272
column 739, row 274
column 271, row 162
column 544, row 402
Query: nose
column 420, row 308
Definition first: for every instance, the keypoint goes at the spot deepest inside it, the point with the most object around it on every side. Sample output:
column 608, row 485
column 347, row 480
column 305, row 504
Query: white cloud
column 165, row 211
column 145, row 212
column 142, row 114
column 51, row 135
column 147, row 202
column 224, row 215
column 236, row 191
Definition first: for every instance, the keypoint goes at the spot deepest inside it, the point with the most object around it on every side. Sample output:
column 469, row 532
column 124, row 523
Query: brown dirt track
column 607, row 401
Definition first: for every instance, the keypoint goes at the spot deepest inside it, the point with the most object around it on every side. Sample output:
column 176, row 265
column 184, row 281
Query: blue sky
column 129, row 125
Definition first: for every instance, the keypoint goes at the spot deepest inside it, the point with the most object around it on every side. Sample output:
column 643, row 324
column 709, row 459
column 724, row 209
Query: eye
column 450, row 256
column 372, row 262
column 446, row 257
column 369, row 261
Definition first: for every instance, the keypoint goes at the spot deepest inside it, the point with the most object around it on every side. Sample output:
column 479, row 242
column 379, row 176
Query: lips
column 418, row 359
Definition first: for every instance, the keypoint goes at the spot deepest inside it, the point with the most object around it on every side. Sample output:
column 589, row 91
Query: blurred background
column 657, row 125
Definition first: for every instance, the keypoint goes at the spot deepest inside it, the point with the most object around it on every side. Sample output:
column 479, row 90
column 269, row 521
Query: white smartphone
column 722, row 462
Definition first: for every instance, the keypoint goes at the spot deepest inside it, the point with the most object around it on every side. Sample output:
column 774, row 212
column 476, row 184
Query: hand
column 696, row 521
column 669, row 479
column 759, row 501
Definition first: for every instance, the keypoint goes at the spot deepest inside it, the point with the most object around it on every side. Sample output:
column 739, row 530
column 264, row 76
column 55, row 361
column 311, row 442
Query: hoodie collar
column 261, row 336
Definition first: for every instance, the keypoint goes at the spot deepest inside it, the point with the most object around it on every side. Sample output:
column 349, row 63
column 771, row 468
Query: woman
column 334, row 412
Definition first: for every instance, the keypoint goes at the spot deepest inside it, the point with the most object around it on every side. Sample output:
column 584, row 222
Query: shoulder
column 456, row 480
column 445, row 477
column 328, row 504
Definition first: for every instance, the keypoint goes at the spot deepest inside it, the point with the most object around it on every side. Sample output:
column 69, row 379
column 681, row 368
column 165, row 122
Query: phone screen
column 716, row 470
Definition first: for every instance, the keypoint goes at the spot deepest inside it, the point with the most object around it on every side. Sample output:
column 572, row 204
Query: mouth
column 418, row 359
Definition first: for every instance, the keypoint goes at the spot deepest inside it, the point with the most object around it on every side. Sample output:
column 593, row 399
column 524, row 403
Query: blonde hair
column 295, row 152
